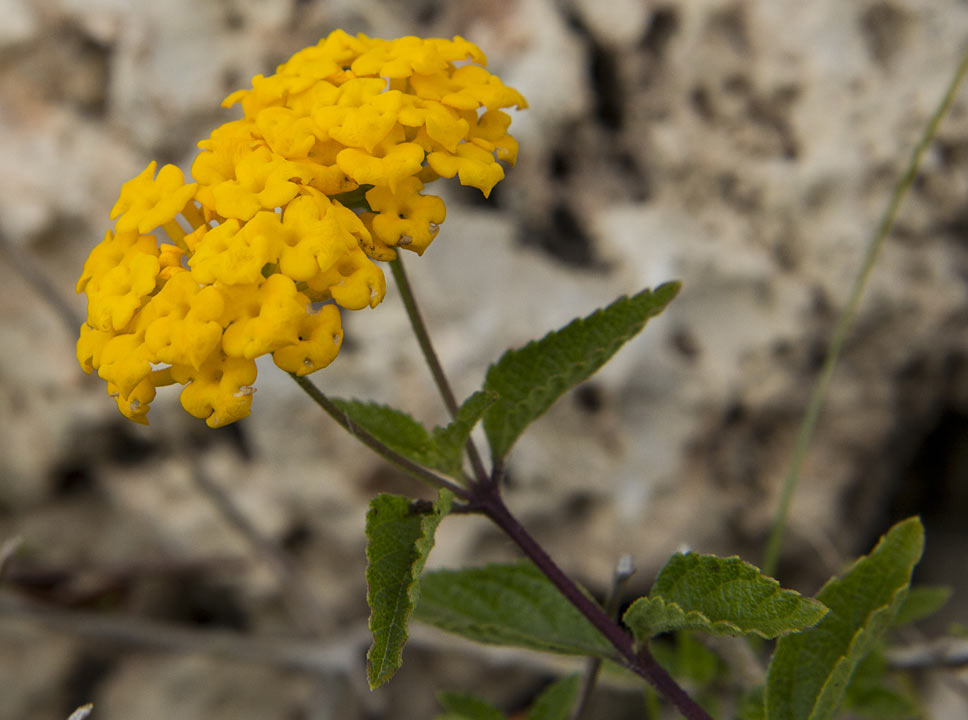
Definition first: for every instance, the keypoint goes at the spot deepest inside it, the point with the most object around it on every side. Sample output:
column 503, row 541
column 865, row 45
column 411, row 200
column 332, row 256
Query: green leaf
column 394, row 428
column 922, row 602
column 441, row 449
column 529, row 380
column 556, row 701
column 400, row 535
column 809, row 673
column 870, row 694
column 464, row 706
column 449, row 441
column 684, row 656
column 882, row 703
column 508, row 605
column 751, row 705
column 724, row 596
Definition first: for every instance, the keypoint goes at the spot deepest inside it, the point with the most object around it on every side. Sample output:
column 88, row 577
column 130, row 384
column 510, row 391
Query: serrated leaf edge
column 697, row 620
column 672, row 288
column 428, row 526
column 731, row 628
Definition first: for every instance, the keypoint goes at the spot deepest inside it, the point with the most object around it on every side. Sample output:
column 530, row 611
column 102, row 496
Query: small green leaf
column 724, row 596
column 449, row 441
column 751, row 705
column 810, row 671
column 400, row 535
column 871, row 694
column 464, row 706
column 441, row 449
column 529, row 380
column 556, row 701
column 394, row 428
column 922, row 602
column 684, row 656
column 508, row 605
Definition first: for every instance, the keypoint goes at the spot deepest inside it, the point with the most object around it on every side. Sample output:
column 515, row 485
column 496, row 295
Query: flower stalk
column 430, row 355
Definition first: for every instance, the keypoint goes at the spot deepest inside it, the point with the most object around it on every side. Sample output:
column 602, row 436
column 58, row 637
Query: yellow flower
column 289, row 207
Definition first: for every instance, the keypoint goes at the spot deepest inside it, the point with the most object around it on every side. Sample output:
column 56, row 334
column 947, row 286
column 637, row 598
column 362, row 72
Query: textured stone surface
column 746, row 148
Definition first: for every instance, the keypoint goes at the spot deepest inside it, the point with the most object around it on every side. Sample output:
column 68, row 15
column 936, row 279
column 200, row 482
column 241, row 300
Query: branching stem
column 483, row 496
column 488, row 501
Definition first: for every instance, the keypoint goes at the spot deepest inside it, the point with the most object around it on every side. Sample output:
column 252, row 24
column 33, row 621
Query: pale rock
column 20, row 23
column 617, row 23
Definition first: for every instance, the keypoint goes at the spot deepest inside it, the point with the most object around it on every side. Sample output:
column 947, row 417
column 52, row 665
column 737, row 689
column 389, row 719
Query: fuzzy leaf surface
column 508, row 605
column 400, row 535
column 724, row 596
column 556, row 701
column 810, row 671
column 530, row 379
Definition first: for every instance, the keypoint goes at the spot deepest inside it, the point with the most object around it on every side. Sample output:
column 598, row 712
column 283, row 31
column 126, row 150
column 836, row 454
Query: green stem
column 430, row 355
column 846, row 319
column 408, row 466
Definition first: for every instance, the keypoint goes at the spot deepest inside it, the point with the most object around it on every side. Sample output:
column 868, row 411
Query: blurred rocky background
column 746, row 148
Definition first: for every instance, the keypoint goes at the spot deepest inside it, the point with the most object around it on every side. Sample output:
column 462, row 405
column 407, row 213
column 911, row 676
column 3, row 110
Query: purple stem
column 487, row 500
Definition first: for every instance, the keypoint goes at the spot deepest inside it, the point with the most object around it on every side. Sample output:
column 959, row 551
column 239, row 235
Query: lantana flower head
column 291, row 207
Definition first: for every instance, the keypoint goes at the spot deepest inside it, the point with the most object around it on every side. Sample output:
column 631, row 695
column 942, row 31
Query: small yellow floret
column 148, row 202
column 320, row 336
column 220, row 392
column 473, row 165
column 406, row 219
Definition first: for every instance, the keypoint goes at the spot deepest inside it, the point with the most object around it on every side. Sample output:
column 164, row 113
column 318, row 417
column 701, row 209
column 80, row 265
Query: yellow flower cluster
column 290, row 207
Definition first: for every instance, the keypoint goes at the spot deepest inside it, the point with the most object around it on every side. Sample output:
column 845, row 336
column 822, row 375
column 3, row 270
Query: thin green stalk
column 430, row 355
column 846, row 319
column 405, row 464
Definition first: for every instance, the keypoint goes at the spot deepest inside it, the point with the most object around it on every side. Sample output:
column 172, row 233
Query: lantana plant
column 290, row 215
